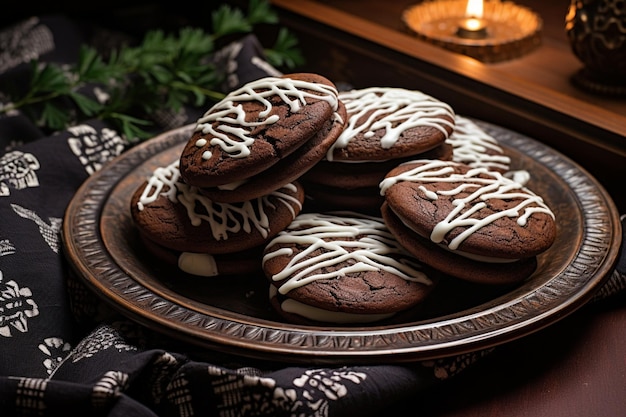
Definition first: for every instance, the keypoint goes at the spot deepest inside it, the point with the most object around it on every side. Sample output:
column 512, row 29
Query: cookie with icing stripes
column 345, row 186
column 176, row 217
column 470, row 223
column 385, row 127
column 473, row 146
column 342, row 268
column 288, row 169
column 259, row 125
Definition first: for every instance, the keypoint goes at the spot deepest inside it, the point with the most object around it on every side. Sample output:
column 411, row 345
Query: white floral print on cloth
column 55, row 350
column 6, row 247
column 18, row 170
column 103, row 338
column 17, row 306
column 94, row 148
column 27, row 40
column 309, row 395
column 49, row 231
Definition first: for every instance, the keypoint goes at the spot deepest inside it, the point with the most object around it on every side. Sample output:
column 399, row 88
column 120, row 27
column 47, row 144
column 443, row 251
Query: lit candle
column 473, row 26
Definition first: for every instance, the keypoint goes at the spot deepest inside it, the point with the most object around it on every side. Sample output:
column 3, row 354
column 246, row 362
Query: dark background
column 132, row 17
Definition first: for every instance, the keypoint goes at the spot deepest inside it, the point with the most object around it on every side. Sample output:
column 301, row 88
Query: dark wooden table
column 575, row 368
column 366, row 43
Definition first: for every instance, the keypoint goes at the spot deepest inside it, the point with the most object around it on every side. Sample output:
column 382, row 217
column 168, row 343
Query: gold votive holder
column 509, row 31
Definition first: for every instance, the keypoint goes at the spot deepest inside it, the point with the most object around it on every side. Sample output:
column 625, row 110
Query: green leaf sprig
column 164, row 71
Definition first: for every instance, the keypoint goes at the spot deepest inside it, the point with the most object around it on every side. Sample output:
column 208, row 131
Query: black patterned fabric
column 63, row 351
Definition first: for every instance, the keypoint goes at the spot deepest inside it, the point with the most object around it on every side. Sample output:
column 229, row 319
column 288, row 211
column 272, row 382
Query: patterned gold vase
column 596, row 30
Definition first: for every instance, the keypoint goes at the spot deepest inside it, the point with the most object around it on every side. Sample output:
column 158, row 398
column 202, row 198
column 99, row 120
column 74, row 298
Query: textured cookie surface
column 453, row 264
column 388, row 123
column 344, row 262
column 470, row 210
column 175, row 215
column 288, row 169
column 256, row 126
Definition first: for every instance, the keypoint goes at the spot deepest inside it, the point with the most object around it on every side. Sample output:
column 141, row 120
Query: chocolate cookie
column 388, row 123
column 287, row 170
column 342, row 267
column 386, row 126
column 453, row 263
column 468, row 212
column 256, row 126
column 175, row 215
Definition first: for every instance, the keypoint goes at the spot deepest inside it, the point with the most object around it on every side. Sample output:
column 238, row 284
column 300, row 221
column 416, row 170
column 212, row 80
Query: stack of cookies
column 233, row 187
column 352, row 205
column 180, row 225
column 262, row 136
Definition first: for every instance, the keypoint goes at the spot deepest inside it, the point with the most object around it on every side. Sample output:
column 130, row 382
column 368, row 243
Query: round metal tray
column 232, row 314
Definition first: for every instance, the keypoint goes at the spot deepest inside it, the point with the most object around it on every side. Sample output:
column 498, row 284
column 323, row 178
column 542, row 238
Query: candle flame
column 474, row 8
column 473, row 24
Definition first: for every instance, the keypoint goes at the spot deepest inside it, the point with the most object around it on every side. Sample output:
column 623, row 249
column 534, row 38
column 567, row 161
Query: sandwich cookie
column 288, row 169
column 470, row 223
column 386, row 126
column 354, row 187
column 181, row 221
column 259, row 125
column 341, row 268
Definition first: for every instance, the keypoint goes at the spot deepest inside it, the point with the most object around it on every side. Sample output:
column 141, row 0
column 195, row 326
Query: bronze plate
column 232, row 314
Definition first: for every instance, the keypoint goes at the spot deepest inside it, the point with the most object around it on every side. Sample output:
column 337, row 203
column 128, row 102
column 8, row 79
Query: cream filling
column 318, row 314
column 200, row 264
column 232, row 185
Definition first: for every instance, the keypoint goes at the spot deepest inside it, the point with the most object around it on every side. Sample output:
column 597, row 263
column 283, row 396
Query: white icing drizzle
column 470, row 144
column 317, row 314
column 396, row 109
column 232, row 134
column 362, row 242
column 494, row 186
column 223, row 218
column 162, row 178
column 473, row 256
column 429, row 194
column 201, row 264
column 231, row 186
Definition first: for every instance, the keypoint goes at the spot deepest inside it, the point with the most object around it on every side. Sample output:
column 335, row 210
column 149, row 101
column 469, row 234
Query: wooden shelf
column 365, row 43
